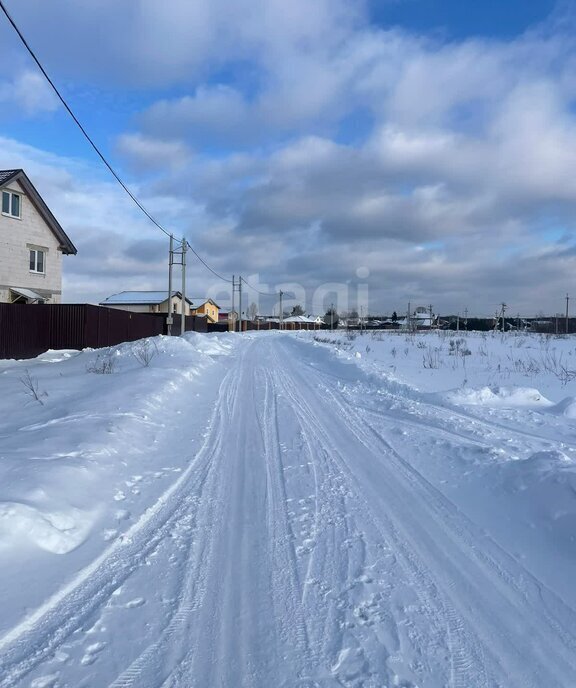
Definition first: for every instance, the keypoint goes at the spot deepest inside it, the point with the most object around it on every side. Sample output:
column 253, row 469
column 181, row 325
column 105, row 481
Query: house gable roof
column 201, row 302
column 7, row 176
column 142, row 298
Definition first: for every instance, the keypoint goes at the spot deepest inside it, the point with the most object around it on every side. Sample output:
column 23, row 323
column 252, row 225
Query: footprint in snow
column 44, row 681
column 136, row 602
column 92, row 652
column 133, row 480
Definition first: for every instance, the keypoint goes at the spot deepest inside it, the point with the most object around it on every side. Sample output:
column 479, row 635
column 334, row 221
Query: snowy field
column 309, row 510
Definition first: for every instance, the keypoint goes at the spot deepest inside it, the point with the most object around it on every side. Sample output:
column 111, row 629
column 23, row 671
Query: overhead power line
column 205, row 264
column 94, row 146
column 86, row 135
column 262, row 293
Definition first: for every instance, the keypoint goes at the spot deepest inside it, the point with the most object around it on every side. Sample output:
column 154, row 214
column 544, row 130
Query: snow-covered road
column 306, row 546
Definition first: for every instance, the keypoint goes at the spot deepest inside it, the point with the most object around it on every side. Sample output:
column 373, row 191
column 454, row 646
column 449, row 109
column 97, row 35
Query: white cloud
column 150, row 153
column 144, row 42
column 464, row 159
column 29, row 93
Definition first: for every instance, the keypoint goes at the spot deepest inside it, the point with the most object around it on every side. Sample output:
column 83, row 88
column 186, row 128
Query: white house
column 303, row 321
column 147, row 302
column 31, row 244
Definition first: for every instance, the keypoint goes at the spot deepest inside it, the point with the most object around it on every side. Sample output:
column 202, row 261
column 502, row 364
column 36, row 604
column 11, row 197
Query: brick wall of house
column 17, row 237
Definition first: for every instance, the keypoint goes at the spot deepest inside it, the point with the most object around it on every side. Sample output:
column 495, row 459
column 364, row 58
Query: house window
column 37, row 261
column 11, row 204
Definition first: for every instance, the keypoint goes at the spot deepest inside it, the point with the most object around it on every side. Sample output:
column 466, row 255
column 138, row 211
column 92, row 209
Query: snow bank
column 566, row 408
column 488, row 421
column 80, row 434
column 502, row 397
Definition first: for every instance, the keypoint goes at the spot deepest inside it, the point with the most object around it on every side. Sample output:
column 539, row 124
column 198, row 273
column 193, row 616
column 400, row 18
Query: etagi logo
column 263, row 298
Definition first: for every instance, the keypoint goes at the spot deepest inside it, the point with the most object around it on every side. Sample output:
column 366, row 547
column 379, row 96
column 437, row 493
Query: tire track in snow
column 464, row 669
column 234, row 638
column 38, row 637
column 513, row 653
column 51, row 626
column 394, row 586
column 162, row 661
column 286, row 583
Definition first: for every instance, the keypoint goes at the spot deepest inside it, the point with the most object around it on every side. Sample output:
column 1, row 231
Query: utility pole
column 170, row 263
column 183, row 316
column 181, row 252
column 408, row 321
column 458, row 322
column 239, row 303
column 503, row 307
column 232, row 309
column 567, row 300
column 281, row 314
column 466, row 318
column 430, row 311
column 236, row 287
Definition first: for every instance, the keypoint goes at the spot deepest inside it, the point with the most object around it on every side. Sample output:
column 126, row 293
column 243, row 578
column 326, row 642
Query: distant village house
column 148, row 302
column 207, row 308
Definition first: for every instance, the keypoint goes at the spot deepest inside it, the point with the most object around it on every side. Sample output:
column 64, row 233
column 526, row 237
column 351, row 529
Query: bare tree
column 252, row 311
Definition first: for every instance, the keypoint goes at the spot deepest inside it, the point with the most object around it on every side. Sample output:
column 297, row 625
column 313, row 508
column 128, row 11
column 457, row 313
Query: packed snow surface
column 308, row 510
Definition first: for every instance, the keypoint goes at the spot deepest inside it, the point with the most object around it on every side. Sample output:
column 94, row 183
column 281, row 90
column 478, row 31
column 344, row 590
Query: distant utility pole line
column 281, row 315
column 567, row 300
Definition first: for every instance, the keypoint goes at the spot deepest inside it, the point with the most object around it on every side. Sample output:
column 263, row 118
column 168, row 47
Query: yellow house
column 205, row 307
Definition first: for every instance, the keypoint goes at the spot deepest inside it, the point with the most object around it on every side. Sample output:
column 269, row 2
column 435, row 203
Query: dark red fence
column 28, row 330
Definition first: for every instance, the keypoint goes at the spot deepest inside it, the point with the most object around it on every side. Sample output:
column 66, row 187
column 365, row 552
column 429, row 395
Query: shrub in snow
column 104, row 364
column 31, row 387
column 144, row 351
column 431, row 359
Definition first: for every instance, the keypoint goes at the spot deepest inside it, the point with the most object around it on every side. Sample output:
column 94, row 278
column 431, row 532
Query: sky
column 348, row 151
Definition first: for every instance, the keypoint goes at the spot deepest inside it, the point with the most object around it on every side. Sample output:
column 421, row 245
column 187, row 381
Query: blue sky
column 454, row 20
column 420, row 141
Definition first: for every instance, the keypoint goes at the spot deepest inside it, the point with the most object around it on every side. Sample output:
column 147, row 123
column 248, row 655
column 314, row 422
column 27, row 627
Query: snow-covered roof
column 140, row 297
column 417, row 319
column 301, row 319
